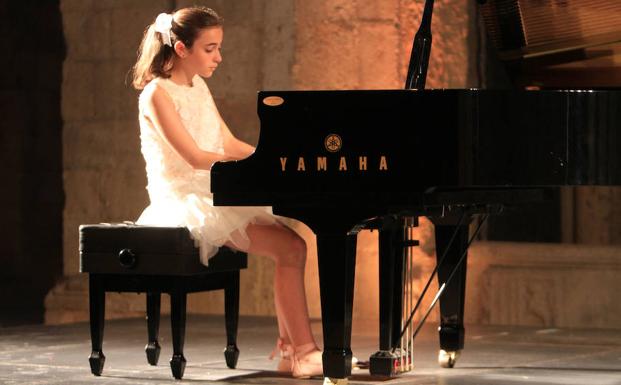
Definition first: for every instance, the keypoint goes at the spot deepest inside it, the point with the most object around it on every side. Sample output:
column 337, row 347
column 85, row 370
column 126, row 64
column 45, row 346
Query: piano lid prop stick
column 448, row 280
column 421, row 49
column 433, row 274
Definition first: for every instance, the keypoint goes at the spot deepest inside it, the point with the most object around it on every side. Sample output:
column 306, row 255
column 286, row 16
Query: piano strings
column 406, row 341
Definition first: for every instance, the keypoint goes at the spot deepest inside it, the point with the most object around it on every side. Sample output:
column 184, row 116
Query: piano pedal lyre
column 447, row 359
column 399, row 359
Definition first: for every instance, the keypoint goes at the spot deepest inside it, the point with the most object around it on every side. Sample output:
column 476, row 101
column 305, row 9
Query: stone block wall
column 367, row 44
column 103, row 169
column 544, row 285
column 596, row 215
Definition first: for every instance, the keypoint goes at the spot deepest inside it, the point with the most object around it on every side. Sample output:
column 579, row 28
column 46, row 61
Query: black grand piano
column 342, row 161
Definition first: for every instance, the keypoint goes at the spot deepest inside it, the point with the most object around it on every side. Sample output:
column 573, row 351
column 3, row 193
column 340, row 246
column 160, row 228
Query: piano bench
column 154, row 260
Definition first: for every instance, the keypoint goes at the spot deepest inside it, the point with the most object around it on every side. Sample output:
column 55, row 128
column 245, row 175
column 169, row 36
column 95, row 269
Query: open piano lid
column 531, row 28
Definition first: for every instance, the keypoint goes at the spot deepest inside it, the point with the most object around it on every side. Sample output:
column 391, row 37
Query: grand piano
column 343, row 161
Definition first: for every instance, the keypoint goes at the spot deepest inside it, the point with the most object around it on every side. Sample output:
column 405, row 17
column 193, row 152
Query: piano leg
column 337, row 263
column 452, row 302
column 384, row 361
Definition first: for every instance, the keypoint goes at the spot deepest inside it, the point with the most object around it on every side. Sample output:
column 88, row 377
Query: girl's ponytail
column 154, row 59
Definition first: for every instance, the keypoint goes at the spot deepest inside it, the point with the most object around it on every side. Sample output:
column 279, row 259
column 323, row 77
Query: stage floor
column 493, row 355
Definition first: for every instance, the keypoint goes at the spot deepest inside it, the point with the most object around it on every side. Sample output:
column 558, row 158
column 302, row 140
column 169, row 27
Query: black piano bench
column 154, row 260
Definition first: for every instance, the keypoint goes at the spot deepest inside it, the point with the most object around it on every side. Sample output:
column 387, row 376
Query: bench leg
column 153, row 325
column 97, row 308
column 177, row 321
column 231, row 315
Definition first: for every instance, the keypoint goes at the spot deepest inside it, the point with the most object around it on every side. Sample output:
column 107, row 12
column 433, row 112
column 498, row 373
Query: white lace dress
column 181, row 195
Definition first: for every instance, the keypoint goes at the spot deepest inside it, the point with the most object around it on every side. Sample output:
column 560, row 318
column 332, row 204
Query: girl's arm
column 161, row 111
column 234, row 147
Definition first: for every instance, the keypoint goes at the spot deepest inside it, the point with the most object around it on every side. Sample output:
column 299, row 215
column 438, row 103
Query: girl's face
column 205, row 54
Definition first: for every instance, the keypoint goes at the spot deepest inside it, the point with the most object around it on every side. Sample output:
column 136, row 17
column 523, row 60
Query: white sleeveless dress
column 181, row 195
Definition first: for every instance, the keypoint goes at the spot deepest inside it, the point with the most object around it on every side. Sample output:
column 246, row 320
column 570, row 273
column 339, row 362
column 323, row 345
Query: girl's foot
column 307, row 361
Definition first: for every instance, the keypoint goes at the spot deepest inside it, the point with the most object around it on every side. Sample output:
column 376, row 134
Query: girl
column 182, row 136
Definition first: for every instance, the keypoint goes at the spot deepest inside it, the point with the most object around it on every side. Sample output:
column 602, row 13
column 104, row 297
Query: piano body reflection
column 342, row 161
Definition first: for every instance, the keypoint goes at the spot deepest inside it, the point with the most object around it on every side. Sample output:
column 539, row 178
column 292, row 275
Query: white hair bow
column 163, row 25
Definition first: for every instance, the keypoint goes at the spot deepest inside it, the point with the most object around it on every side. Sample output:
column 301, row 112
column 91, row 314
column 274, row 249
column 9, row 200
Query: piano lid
column 552, row 44
column 522, row 29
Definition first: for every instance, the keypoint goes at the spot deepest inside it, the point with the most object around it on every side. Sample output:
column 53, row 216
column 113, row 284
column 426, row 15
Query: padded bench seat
column 131, row 258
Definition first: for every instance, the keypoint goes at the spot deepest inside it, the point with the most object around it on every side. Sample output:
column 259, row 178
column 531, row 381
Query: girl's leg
column 283, row 347
column 288, row 250
column 282, row 329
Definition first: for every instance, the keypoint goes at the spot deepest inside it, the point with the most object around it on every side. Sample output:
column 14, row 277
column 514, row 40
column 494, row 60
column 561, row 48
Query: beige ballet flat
column 292, row 360
column 301, row 368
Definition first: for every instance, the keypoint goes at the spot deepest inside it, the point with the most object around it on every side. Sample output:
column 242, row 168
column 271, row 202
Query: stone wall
column 544, row 285
column 597, row 215
column 355, row 44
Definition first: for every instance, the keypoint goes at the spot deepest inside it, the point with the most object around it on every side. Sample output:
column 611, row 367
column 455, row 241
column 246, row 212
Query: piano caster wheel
column 335, row 381
column 447, row 359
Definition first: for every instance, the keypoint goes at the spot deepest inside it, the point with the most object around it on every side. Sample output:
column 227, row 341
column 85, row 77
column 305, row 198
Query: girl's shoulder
column 161, row 83
column 149, row 88
column 149, row 91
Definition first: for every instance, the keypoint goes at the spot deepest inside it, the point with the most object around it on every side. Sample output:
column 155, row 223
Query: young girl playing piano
column 182, row 136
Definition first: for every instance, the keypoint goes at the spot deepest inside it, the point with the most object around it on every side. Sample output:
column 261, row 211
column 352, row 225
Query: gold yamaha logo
column 333, row 143
column 344, row 163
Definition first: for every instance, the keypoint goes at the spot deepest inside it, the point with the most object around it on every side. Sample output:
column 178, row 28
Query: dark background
column 31, row 195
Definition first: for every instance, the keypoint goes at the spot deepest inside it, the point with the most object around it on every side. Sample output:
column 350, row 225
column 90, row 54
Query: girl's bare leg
column 282, row 329
column 288, row 250
column 283, row 345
